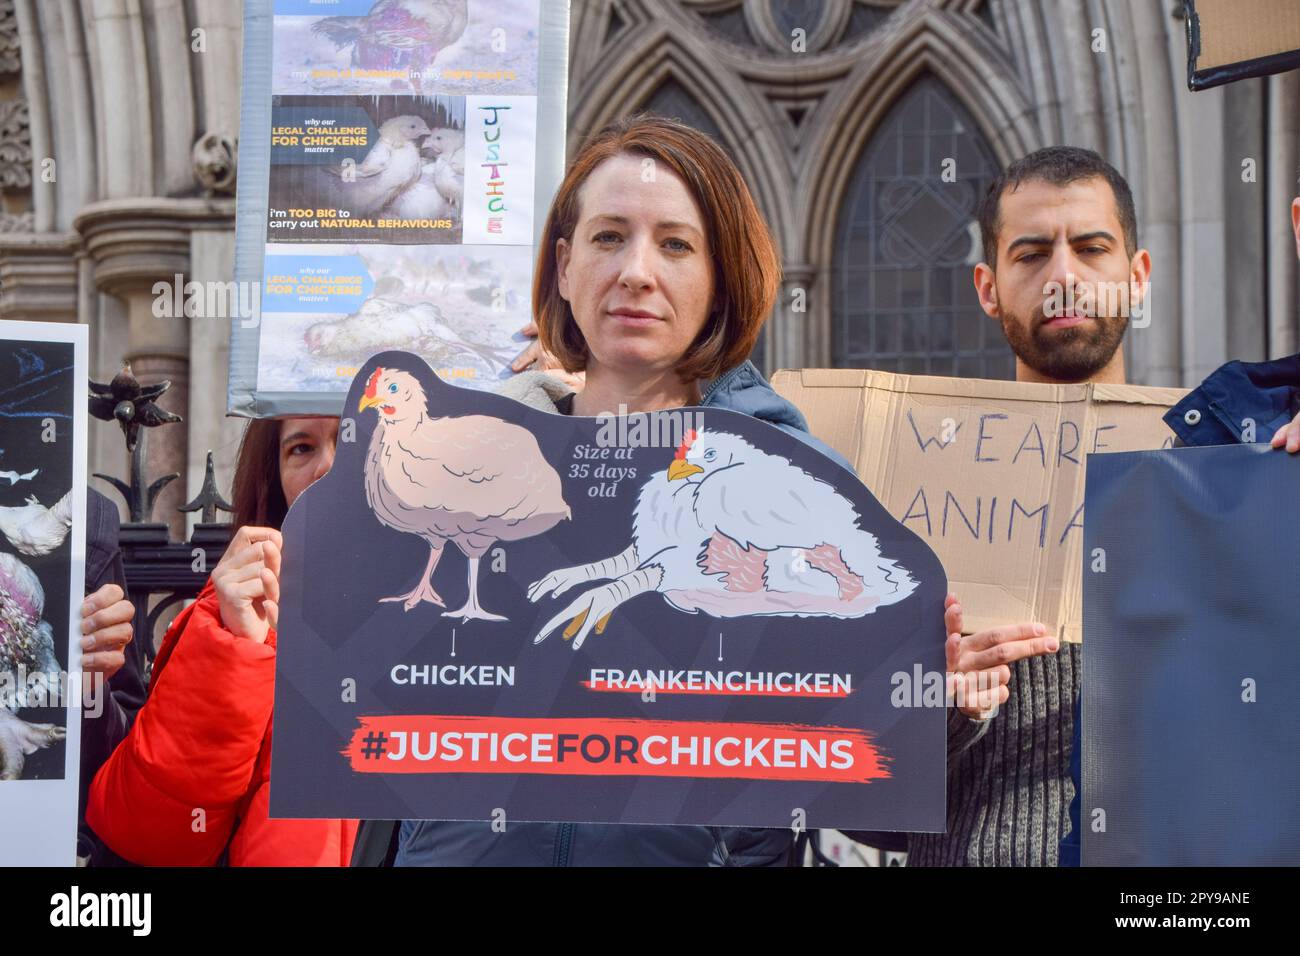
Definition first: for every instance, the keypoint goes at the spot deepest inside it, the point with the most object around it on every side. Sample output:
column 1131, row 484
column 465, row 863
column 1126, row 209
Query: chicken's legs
column 472, row 610
column 424, row 590
column 18, row 739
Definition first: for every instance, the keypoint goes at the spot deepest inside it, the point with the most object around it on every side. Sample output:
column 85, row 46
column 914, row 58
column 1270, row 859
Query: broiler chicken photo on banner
column 406, row 46
column 684, row 617
column 367, row 169
column 344, row 303
column 42, row 501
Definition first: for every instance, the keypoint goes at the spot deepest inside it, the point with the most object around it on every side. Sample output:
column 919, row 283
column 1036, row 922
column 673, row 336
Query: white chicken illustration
column 733, row 531
column 472, row 480
column 26, row 647
column 34, row 529
column 392, row 166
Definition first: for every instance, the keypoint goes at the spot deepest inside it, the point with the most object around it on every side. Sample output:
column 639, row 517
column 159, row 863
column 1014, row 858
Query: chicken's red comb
column 685, row 446
column 373, row 382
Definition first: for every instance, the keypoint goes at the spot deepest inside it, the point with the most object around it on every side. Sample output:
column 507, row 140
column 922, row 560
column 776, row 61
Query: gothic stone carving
column 15, row 146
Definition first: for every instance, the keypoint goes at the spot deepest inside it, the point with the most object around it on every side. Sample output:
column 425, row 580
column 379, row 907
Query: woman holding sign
column 654, row 277
column 189, row 785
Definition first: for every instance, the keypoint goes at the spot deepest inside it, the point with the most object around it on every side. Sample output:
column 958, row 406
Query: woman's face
column 638, row 272
column 306, row 452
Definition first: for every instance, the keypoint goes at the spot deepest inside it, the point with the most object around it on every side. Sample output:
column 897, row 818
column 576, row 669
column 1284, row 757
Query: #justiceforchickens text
column 613, row 747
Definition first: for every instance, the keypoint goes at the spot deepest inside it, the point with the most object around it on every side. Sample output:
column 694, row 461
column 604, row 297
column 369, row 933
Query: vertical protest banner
column 43, row 371
column 397, row 160
column 1190, row 756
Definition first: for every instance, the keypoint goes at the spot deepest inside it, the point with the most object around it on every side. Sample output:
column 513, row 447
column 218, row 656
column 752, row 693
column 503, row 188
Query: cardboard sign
column 43, row 374
column 1231, row 40
column 1189, row 741
column 687, row 617
column 989, row 474
column 396, row 163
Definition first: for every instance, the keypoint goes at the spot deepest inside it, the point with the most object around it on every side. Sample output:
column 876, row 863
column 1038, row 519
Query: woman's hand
column 106, row 619
column 247, row 582
column 1288, row 436
column 540, row 360
column 981, row 662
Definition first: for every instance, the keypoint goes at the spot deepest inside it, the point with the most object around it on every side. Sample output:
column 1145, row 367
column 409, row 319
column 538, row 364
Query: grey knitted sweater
column 1009, row 786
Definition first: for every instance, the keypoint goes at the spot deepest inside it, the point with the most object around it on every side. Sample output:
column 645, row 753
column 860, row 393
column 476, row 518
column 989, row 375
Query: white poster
column 43, row 402
column 499, row 136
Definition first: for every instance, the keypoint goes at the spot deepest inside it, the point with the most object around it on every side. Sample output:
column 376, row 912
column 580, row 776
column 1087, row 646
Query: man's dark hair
column 1058, row 166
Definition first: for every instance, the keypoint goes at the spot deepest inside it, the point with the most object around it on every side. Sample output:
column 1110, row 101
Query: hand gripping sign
column 688, row 616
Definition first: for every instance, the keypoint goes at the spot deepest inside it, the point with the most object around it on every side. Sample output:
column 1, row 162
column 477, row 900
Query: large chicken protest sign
column 394, row 154
column 690, row 616
column 42, row 558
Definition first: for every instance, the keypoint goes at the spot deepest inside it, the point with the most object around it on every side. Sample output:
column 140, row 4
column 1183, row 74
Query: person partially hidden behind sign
column 1238, row 402
column 654, row 277
column 1063, row 275
column 190, row 783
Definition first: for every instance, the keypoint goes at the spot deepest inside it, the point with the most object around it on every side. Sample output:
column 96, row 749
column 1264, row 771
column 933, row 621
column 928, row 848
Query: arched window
column 672, row 100
column 907, row 242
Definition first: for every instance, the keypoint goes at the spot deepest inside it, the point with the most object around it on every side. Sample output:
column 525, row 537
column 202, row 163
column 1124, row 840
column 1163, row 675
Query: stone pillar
column 136, row 244
column 798, row 339
column 38, row 277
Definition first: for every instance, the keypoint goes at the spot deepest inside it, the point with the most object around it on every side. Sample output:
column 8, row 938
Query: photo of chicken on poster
column 367, row 169
column 328, row 308
column 36, row 395
column 406, row 46
column 685, row 617
column 390, row 123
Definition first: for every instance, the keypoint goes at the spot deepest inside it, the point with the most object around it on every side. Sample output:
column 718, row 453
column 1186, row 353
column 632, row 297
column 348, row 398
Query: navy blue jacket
column 436, row 843
column 1220, row 411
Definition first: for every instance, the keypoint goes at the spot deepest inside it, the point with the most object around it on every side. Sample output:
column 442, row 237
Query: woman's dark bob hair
column 258, row 497
column 747, row 271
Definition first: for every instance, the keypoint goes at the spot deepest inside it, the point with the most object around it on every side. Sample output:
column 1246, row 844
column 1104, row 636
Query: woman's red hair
column 747, row 271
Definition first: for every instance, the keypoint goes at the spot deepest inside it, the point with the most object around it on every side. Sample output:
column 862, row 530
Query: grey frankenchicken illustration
column 26, row 647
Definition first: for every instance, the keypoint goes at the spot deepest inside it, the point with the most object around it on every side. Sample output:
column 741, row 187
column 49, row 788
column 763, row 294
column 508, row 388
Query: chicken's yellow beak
column 680, row 468
column 368, row 401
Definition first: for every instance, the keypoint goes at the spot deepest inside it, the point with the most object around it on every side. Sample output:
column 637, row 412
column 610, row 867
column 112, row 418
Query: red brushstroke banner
column 590, row 746
column 713, row 691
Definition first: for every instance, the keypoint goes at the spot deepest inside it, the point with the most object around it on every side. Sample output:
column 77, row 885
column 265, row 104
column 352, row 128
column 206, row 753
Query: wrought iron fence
column 155, row 564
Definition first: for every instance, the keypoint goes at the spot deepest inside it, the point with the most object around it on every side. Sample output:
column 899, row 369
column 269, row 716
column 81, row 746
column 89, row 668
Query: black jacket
column 126, row 691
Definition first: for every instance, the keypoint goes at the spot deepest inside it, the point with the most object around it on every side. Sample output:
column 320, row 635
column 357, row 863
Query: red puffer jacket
column 193, row 775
